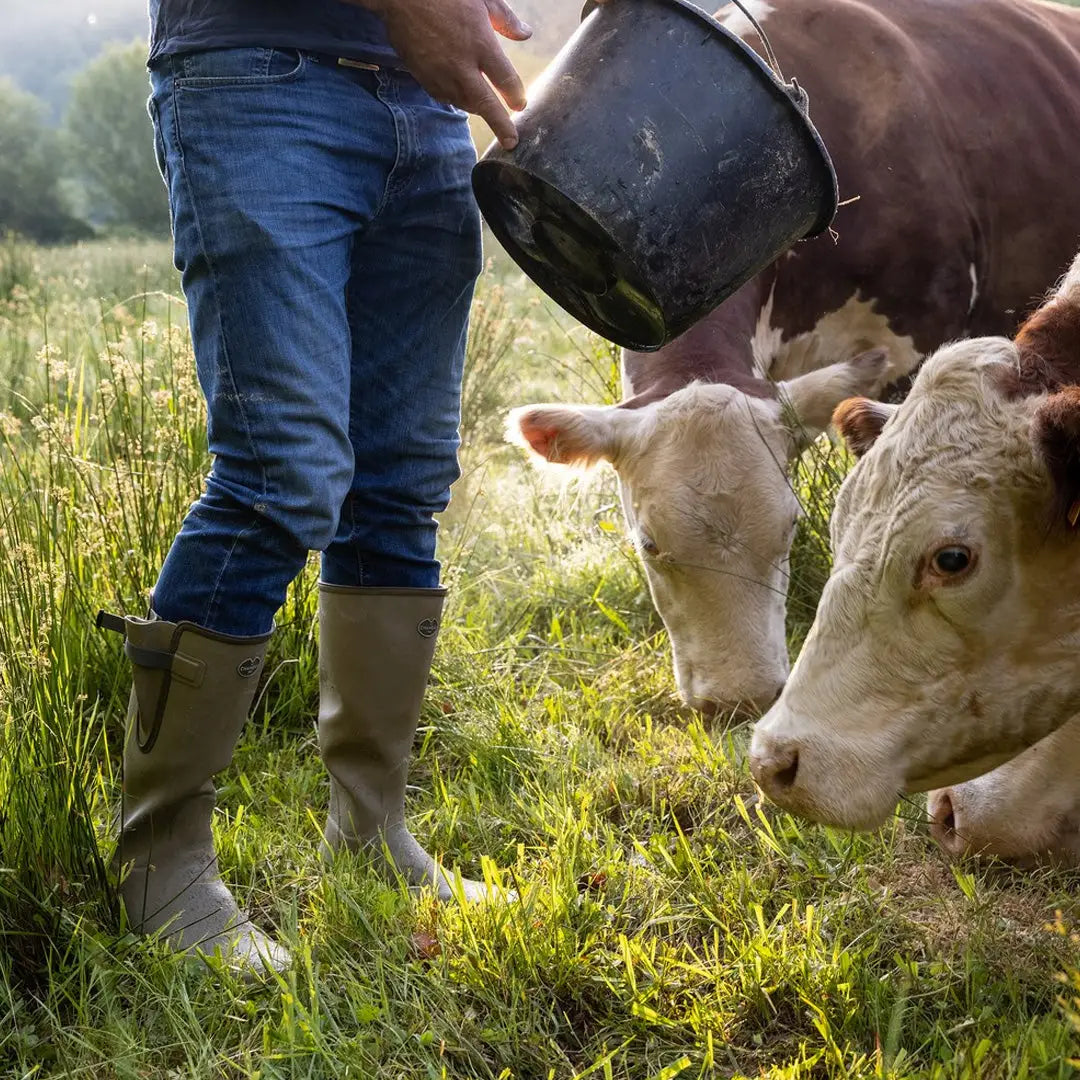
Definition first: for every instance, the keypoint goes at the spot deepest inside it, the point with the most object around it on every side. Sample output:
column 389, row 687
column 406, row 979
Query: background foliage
column 110, row 142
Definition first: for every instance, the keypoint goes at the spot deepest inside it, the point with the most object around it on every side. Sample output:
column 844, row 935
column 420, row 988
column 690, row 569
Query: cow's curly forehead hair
column 708, row 433
column 959, row 428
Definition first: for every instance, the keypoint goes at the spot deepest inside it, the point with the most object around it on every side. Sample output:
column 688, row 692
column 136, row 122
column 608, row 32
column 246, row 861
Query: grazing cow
column 1026, row 811
column 946, row 638
column 955, row 123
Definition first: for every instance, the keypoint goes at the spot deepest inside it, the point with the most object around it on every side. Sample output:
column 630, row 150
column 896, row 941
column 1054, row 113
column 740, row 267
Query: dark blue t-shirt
column 325, row 26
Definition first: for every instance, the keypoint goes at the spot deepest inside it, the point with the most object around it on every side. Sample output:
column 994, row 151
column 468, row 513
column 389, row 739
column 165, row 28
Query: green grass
column 670, row 923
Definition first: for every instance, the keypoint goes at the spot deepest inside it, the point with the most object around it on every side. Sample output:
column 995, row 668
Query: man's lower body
column 329, row 244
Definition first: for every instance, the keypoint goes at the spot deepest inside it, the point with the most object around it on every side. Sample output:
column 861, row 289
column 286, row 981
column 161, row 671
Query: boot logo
column 249, row 667
column 428, row 628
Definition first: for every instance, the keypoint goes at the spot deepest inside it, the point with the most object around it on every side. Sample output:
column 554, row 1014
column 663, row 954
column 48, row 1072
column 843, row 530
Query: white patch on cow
column 974, row 288
column 731, row 18
column 839, row 335
column 1070, row 283
column 767, row 339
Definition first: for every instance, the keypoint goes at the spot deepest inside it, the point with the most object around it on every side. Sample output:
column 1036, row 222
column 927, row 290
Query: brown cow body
column 956, row 124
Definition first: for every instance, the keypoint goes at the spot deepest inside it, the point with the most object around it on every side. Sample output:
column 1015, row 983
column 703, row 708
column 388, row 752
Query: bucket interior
column 569, row 255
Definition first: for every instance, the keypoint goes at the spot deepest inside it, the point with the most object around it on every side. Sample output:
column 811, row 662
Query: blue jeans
column 329, row 243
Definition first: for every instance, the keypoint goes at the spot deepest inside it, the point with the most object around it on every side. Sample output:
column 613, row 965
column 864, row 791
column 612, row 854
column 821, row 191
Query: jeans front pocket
column 212, row 68
column 159, row 142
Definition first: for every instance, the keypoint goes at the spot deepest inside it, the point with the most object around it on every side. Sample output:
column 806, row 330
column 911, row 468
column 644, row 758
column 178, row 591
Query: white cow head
column 703, row 475
column 946, row 638
column 1026, row 811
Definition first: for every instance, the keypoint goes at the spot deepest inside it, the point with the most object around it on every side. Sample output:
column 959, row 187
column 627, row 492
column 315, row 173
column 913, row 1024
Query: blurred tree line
column 98, row 170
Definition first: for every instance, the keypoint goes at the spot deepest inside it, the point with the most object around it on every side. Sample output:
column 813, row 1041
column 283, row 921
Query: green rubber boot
column 193, row 689
column 375, row 653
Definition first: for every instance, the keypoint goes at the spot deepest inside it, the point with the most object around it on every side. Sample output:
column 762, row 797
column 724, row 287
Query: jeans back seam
column 212, row 271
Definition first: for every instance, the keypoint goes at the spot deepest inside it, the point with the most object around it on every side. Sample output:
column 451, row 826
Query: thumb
column 506, row 22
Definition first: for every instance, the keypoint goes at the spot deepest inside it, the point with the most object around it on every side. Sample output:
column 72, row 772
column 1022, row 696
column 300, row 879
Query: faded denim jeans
column 329, row 243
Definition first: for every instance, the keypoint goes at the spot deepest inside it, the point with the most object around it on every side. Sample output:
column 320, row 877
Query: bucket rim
column 795, row 97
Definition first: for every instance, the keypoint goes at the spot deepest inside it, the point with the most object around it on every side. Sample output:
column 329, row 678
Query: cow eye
column 952, row 560
column 648, row 545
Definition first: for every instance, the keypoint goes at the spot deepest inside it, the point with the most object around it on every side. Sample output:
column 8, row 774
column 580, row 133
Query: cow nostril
column 784, row 778
column 775, row 766
column 945, row 813
column 942, row 817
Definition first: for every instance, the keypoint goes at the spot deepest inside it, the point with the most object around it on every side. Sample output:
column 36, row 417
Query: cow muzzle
column 741, row 694
column 1023, row 840
column 818, row 777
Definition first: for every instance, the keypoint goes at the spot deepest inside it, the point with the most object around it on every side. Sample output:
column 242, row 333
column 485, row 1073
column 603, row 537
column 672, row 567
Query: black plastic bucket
column 661, row 165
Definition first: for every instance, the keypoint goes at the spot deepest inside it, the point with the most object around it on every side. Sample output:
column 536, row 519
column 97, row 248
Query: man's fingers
column 483, row 101
column 506, row 22
column 504, row 78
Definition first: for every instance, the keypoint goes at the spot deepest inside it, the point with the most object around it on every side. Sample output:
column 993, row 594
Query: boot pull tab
column 172, row 664
column 115, row 623
column 186, row 668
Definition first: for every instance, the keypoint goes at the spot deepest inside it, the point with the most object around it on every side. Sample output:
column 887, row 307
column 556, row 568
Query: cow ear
column 1057, row 439
column 811, row 398
column 1049, row 342
column 572, row 434
column 859, row 421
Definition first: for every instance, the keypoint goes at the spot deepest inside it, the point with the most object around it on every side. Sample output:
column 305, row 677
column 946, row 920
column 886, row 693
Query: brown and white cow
column 948, row 634
column 955, row 124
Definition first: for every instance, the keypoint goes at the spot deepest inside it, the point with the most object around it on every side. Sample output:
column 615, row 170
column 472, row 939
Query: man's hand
column 451, row 48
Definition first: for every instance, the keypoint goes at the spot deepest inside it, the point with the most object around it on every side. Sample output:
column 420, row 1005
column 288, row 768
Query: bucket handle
column 797, row 94
column 760, row 30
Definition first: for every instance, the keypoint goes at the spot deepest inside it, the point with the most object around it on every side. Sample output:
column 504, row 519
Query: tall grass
column 670, row 925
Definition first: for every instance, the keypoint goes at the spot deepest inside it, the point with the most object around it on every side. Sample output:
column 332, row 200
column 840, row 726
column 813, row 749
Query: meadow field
column 670, row 923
